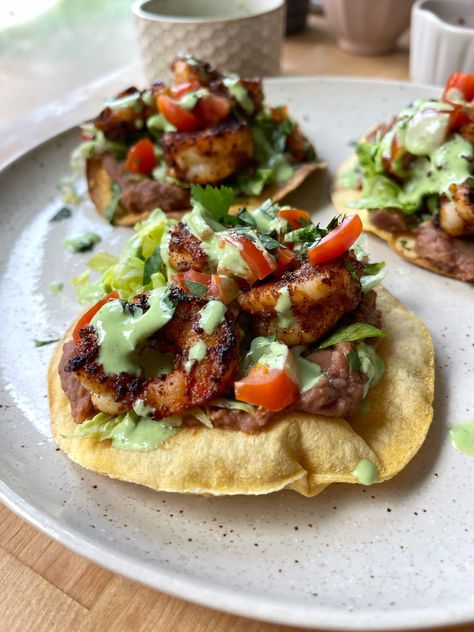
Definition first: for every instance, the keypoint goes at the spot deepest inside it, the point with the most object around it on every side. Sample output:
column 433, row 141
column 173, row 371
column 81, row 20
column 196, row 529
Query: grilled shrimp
column 316, row 298
column 191, row 382
column 210, row 155
column 456, row 215
column 185, row 251
column 122, row 123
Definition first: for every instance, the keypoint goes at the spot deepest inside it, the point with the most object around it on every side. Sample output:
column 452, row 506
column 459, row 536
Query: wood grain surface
column 46, row 588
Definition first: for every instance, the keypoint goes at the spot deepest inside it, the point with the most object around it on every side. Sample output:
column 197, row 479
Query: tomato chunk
column 184, row 120
column 461, row 82
column 259, row 261
column 183, row 88
column 271, row 388
column 295, row 218
column 337, row 242
column 141, row 157
column 284, row 258
column 86, row 318
column 212, row 109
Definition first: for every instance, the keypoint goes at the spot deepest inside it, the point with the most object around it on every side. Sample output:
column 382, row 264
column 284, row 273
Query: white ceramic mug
column 242, row 36
column 442, row 40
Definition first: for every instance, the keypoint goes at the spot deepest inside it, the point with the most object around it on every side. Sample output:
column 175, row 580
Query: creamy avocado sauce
column 197, row 353
column 451, row 163
column 222, row 256
column 421, row 129
column 365, row 472
column 119, row 332
column 269, row 222
column 211, row 316
column 285, row 317
column 240, row 94
column 141, row 409
column 309, row 373
column 462, row 437
column 371, row 364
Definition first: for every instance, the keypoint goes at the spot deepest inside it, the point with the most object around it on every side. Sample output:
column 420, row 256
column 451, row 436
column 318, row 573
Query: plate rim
column 199, row 591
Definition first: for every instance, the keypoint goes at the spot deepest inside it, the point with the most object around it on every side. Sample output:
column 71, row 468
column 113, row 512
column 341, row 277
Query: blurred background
column 51, row 48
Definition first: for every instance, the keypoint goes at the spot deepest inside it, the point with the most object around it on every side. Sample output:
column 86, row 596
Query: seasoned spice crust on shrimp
column 190, row 383
column 413, row 181
column 146, row 147
column 227, row 322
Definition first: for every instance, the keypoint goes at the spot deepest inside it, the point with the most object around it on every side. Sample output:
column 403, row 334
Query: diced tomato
column 141, row 157
column 463, row 83
column 184, row 120
column 183, row 88
column 459, row 116
column 217, row 285
column 259, row 261
column 284, row 258
column 271, row 388
column 295, row 218
column 212, row 109
column 279, row 114
column 337, row 242
column 223, row 288
column 86, row 318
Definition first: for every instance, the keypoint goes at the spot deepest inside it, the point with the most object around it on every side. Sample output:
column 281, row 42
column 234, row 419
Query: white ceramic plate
column 390, row 556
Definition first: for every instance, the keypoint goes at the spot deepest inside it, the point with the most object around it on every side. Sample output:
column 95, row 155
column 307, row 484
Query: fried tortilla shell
column 99, row 183
column 301, row 452
column 402, row 242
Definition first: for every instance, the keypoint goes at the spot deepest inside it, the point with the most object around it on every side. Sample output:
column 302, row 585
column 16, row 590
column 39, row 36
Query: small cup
column 368, row 27
column 442, row 40
column 241, row 36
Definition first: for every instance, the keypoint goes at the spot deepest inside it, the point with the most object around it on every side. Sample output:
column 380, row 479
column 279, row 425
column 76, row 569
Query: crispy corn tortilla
column 301, row 452
column 99, row 185
column 403, row 242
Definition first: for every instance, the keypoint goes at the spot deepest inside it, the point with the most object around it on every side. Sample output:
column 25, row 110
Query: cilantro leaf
column 152, row 264
column 353, row 360
column 43, row 343
column 268, row 242
column 216, row 200
column 196, row 288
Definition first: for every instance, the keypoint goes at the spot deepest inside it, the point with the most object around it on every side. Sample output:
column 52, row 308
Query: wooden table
column 43, row 586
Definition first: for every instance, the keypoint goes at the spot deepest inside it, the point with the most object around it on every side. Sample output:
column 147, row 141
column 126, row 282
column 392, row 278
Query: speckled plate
column 397, row 555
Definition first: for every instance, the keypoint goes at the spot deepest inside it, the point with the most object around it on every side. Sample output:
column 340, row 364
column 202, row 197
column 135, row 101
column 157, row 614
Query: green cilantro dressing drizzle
column 462, row 437
column 196, row 353
column 365, row 472
column 211, row 316
column 119, row 332
column 285, row 317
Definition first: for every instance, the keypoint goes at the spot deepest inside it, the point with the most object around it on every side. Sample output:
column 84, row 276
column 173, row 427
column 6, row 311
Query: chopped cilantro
column 354, row 361
column 196, row 288
column 152, row 264
column 43, row 343
column 82, row 242
column 63, row 213
column 114, row 203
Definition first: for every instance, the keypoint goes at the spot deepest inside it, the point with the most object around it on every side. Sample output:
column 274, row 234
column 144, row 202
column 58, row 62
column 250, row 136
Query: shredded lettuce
column 127, row 431
column 356, row 331
column 95, row 147
column 374, row 273
column 232, row 404
column 135, row 270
